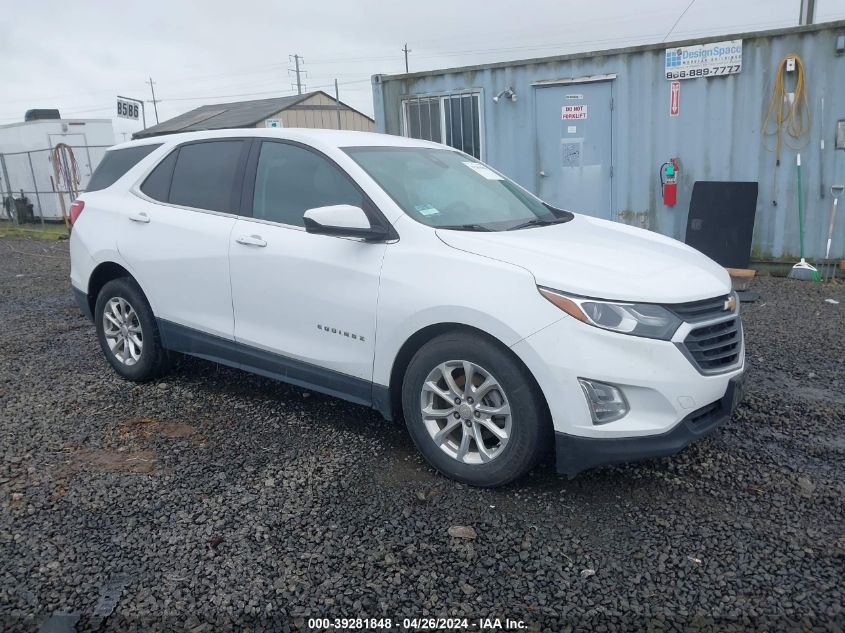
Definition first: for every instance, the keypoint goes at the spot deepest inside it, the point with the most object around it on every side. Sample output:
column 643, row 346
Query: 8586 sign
column 127, row 109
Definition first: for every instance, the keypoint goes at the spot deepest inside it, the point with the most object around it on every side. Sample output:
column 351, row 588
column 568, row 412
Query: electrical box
column 840, row 134
column 790, row 65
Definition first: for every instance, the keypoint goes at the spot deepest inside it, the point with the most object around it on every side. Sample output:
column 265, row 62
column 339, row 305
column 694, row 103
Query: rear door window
column 117, row 162
column 205, row 174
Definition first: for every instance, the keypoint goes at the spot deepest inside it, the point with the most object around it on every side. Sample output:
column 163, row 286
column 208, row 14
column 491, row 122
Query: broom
column 802, row 270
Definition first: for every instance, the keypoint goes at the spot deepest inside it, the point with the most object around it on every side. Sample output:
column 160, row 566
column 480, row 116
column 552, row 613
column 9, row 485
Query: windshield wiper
column 466, row 227
column 535, row 222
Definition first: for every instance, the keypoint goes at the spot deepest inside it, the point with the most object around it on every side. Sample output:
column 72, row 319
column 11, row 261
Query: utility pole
column 296, row 59
column 406, row 50
column 808, row 12
column 153, row 90
column 337, row 103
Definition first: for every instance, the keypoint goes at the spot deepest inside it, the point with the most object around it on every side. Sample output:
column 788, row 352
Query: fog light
column 607, row 403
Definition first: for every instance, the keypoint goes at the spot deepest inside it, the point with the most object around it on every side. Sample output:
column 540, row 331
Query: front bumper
column 576, row 453
column 662, row 386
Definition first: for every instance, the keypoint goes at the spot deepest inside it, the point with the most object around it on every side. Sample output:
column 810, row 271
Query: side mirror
column 342, row 220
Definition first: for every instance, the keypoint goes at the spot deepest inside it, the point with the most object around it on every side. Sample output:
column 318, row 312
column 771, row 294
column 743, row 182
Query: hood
column 602, row 259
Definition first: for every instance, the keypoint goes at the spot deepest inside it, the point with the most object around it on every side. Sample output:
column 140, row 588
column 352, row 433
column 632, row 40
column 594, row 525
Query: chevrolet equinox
column 409, row 277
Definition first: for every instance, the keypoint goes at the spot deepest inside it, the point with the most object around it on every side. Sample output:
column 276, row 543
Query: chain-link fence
column 29, row 187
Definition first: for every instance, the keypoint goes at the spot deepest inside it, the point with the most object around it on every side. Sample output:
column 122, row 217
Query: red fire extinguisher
column 669, row 182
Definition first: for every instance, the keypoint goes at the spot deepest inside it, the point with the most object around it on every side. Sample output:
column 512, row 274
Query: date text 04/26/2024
column 416, row 624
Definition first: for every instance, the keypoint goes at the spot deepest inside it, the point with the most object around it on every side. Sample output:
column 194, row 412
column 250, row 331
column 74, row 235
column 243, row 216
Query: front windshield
column 447, row 189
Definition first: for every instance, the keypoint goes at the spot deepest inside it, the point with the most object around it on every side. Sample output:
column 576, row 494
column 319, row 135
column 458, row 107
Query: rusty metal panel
column 716, row 134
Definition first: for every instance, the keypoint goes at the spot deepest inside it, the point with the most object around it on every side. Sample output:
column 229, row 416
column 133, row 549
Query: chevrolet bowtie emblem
column 730, row 304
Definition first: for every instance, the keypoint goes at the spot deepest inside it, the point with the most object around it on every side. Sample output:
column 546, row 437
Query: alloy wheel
column 466, row 412
column 122, row 330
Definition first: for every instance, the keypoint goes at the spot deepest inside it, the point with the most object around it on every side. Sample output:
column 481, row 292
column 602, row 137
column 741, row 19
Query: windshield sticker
column 483, row 170
column 426, row 209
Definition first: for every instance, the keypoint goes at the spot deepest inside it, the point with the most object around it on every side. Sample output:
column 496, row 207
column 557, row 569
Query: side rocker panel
column 179, row 338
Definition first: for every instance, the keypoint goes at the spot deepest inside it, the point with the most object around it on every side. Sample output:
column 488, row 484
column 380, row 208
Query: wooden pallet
column 741, row 277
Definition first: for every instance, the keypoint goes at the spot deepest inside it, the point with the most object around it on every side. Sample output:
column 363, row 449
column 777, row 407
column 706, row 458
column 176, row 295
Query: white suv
column 409, row 277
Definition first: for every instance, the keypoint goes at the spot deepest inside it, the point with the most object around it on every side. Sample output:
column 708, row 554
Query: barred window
column 453, row 119
column 422, row 119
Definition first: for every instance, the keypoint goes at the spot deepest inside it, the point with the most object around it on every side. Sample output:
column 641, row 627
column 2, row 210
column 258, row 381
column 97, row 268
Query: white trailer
column 26, row 159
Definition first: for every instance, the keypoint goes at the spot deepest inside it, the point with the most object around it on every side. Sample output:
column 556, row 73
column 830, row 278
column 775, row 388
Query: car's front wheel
column 127, row 331
column 473, row 410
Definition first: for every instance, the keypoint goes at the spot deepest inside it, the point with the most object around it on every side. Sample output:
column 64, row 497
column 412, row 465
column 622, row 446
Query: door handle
column 251, row 240
column 140, row 217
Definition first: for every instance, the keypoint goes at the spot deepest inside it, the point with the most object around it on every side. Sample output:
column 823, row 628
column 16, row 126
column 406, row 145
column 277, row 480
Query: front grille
column 715, row 347
column 702, row 310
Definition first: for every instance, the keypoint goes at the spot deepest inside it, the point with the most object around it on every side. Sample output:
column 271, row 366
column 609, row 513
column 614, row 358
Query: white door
column 307, row 297
column 176, row 239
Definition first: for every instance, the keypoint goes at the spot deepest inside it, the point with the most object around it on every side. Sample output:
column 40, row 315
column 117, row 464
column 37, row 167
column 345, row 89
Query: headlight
column 640, row 319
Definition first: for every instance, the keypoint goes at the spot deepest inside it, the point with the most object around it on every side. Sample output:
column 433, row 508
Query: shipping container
column 590, row 131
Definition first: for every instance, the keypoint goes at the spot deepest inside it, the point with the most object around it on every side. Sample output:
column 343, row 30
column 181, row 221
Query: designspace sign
column 705, row 60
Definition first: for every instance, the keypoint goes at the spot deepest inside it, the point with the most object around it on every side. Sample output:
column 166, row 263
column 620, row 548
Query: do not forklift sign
column 674, row 98
column 573, row 112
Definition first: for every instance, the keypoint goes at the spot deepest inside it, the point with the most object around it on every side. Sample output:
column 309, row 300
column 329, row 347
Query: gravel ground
column 229, row 500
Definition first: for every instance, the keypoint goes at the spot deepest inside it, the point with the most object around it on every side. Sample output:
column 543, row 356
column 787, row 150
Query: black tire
column 530, row 435
column 154, row 360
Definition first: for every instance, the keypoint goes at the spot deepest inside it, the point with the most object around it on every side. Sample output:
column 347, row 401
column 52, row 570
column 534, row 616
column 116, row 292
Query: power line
column 683, row 13
column 431, row 55
column 567, row 44
column 81, row 109
column 240, row 94
column 628, row 38
column 75, row 111
column 576, row 26
column 249, row 70
column 488, row 34
column 256, row 94
column 557, row 31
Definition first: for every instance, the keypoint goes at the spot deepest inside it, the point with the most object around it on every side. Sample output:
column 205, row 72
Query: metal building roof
column 626, row 50
column 226, row 115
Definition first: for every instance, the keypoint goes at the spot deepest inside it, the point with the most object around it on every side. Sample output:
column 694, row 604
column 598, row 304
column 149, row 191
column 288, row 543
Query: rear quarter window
column 117, row 162
column 157, row 184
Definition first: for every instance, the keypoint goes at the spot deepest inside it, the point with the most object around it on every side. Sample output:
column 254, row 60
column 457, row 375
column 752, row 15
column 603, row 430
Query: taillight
column 76, row 209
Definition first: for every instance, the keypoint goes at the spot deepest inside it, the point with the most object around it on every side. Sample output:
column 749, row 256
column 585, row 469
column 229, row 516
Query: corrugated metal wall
column 717, row 135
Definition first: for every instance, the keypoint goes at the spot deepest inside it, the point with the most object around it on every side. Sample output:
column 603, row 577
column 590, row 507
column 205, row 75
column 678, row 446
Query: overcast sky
column 78, row 55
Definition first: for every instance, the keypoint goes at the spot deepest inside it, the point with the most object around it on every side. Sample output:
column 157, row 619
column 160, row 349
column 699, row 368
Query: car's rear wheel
column 473, row 410
column 127, row 331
